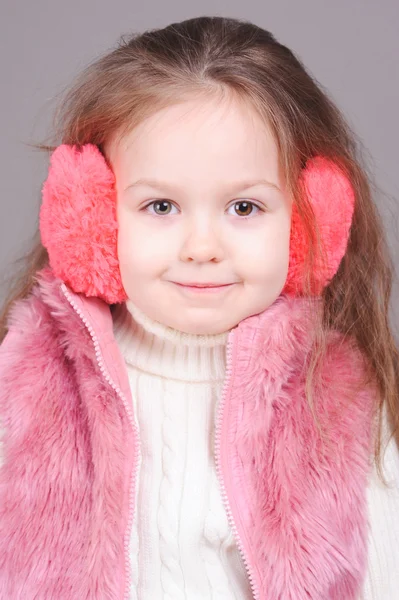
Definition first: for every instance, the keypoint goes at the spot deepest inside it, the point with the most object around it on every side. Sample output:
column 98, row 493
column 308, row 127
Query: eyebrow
column 233, row 186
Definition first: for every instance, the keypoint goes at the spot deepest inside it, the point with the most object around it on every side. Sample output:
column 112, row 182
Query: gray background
column 349, row 46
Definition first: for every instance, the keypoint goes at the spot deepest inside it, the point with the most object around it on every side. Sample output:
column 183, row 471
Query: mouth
column 201, row 288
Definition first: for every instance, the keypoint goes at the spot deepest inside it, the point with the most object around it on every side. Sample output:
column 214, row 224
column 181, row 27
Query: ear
column 78, row 222
column 332, row 199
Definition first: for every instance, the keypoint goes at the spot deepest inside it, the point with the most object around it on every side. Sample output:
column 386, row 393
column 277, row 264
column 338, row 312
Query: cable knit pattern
column 168, row 512
column 182, row 545
column 219, row 544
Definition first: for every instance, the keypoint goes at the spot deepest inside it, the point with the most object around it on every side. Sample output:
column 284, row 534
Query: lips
column 203, row 290
column 201, row 285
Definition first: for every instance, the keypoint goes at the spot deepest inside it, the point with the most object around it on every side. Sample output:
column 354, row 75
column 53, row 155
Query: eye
column 245, row 207
column 162, row 207
column 162, row 204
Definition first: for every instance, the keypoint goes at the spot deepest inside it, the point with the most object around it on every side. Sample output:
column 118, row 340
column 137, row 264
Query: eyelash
column 237, row 202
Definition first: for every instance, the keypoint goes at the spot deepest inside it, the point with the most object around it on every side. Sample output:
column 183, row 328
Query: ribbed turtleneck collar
column 158, row 349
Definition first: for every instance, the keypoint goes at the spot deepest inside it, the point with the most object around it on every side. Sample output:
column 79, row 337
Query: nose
column 202, row 242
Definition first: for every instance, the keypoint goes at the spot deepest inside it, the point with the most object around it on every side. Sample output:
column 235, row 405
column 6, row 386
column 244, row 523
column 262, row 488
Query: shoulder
column 346, row 395
column 32, row 347
column 29, row 325
column 344, row 368
column 40, row 322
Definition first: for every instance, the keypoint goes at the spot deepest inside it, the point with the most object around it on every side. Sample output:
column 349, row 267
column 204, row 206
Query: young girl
column 197, row 375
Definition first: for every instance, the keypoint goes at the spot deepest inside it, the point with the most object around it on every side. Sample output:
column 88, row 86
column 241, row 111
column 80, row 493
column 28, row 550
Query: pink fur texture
column 332, row 200
column 79, row 227
column 78, row 222
column 299, row 504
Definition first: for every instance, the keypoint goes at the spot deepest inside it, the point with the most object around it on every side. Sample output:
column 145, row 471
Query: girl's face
column 191, row 209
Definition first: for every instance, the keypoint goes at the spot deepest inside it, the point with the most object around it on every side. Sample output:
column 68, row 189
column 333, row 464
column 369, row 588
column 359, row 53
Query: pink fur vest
column 297, row 504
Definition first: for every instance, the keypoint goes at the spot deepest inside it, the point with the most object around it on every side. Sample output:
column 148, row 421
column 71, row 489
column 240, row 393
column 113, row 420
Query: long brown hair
column 215, row 56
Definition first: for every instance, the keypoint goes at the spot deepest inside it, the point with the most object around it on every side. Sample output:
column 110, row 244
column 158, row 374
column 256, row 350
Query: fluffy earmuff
column 79, row 228
column 332, row 199
column 78, row 223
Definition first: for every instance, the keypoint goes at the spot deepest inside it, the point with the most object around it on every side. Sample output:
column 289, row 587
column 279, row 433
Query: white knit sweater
column 181, row 544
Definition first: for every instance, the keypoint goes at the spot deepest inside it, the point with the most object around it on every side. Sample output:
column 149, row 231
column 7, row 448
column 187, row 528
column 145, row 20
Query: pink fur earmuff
column 79, row 228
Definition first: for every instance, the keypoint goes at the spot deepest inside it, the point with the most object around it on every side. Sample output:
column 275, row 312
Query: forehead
column 198, row 140
column 190, row 121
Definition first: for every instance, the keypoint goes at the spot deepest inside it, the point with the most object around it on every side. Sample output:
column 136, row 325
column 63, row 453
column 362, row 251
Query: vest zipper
column 219, row 417
column 131, row 418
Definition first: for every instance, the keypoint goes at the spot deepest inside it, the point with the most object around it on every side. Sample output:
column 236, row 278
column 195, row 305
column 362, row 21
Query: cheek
column 265, row 253
column 139, row 253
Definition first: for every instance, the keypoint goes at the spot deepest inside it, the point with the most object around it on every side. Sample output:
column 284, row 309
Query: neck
column 154, row 347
